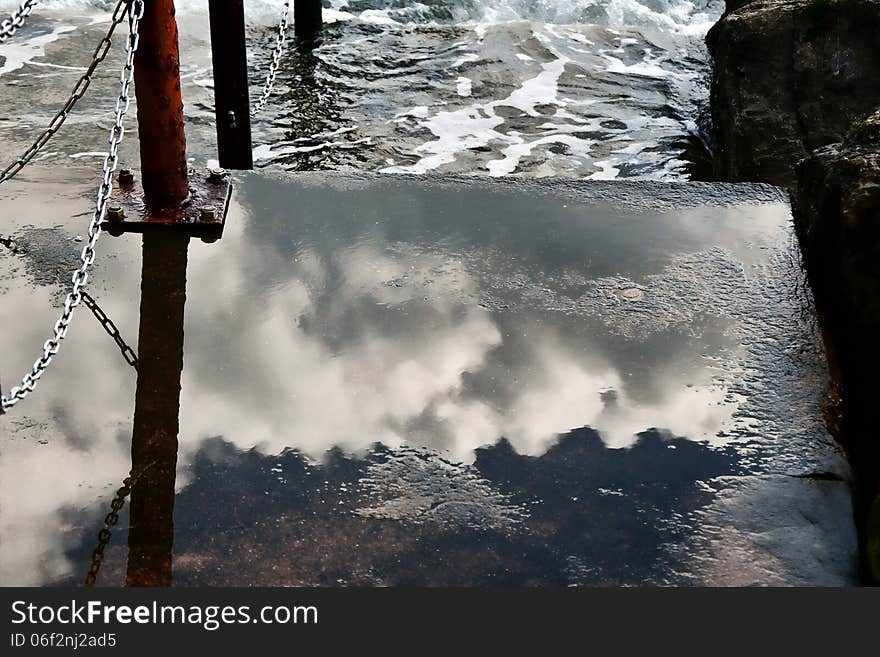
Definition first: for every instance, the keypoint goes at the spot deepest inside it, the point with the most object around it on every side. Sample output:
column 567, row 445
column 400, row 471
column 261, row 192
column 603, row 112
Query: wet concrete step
column 446, row 381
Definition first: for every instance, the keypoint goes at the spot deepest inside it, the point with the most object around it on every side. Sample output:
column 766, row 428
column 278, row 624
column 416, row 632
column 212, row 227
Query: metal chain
column 9, row 26
column 276, row 61
column 111, row 329
column 78, row 92
column 81, row 275
column 110, row 521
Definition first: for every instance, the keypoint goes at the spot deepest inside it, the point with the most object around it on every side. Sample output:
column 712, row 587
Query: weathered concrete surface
column 789, row 76
column 569, row 384
column 837, row 204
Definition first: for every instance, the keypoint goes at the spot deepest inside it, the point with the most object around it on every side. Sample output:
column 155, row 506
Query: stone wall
column 789, row 76
column 837, row 210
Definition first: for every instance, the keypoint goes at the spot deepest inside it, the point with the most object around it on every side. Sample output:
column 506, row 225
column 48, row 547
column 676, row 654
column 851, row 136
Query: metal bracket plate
column 203, row 214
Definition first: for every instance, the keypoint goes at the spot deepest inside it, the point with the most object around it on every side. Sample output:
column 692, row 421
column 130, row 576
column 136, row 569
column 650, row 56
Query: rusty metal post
column 307, row 19
column 160, row 107
column 231, row 99
column 157, row 409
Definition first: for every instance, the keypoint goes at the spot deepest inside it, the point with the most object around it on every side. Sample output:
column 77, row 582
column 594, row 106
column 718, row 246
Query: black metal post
column 307, row 20
column 231, row 99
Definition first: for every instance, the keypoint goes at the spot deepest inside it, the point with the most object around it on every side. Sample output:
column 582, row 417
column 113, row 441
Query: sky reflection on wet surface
column 411, row 381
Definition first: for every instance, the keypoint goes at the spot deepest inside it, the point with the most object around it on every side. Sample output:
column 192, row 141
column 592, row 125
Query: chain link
column 110, row 521
column 81, row 275
column 111, row 329
column 9, row 26
column 78, row 92
column 276, row 61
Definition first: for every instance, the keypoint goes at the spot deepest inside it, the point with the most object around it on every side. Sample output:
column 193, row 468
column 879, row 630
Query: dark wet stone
column 873, row 539
column 836, row 215
column 790, row 76
column 866, row 133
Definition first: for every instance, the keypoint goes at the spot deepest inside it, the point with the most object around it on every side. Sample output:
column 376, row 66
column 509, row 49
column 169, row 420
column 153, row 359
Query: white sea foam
column 567, row 124
column 496, row 102
column 689, row 16
column 18, row 52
